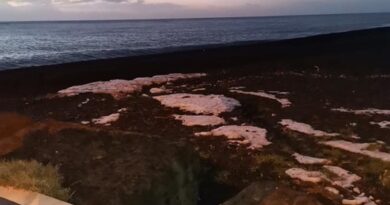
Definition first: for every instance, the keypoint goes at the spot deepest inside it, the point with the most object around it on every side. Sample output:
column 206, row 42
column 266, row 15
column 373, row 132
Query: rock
column 253, row 194
column 269, row 193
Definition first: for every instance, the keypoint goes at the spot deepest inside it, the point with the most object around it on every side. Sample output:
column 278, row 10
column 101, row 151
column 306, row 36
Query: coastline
column 352, row 52
column 312, row 117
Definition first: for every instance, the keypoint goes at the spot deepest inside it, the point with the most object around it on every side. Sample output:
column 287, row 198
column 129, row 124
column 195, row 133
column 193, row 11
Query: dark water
column 40, row 43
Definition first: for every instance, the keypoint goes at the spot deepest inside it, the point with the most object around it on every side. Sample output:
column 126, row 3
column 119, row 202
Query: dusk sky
column 145, row 9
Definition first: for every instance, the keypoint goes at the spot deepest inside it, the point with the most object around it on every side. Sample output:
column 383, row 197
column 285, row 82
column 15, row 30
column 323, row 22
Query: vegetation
column 33, row 176
column 385, row 179
column 272, row 164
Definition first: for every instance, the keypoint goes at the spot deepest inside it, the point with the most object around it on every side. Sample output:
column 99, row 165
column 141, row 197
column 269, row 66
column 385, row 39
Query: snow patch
column 332, row 190
column 283, row 101
column 123, row 110
column 310, row 160
column 279, row 92
column 199, row 120
column 160, row 90
column 357, row 201
column 304, row 128
column 344, row 178
column 248, row 135
column 84, row 102
column 368, row 111
column 199, row 89
column 237, row 88
column 383, row 124
column 306, row 176
column 85, row 122
column 199, row 104
column 358, row 148
column 106, row 120
column 120, row 88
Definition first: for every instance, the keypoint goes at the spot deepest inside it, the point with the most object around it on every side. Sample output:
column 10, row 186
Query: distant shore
column 354, row 52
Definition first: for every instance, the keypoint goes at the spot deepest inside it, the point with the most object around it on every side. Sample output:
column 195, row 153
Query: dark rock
column 270, row 193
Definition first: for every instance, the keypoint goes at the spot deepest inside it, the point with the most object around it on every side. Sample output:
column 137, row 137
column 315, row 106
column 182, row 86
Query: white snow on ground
column 248, row 135
column 84, row 102
column 199, row 104
column 122, row 110
column 306, row 176
column 332, row 190
column 358, row 148
column 279, row 92
column 283, row 101
column 237, row 88
column 310, row 160
column 85, row 122
column 383, row 124
column 344, row 178
column 106, row 120
column 120, row 88
column 358, row 201
column 160, row 90
column 199, row 120
column 339, row 177
column 368, row 111
column 199, row 89
column 304, row 128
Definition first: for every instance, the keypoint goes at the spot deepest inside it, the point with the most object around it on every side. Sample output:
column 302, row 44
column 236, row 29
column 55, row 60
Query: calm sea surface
column 25, row 44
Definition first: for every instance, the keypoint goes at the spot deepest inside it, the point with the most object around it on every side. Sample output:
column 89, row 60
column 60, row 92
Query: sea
column 26, row 44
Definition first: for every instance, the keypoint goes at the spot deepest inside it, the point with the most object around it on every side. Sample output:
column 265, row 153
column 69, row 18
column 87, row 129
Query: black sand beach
column 356, row 52
column 335, row 87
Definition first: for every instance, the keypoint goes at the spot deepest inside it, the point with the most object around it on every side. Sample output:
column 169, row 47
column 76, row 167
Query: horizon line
column 191, row 18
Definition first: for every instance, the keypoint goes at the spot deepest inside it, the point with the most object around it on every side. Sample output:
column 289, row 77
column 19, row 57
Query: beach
column 304, row 119
column 356, row 52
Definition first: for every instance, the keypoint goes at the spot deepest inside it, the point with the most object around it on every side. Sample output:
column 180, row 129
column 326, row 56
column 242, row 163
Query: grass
column 374, row 147
column 376, row 169
column 373, row 171
column 272, row 164
column 33, row 176
column 385, row 179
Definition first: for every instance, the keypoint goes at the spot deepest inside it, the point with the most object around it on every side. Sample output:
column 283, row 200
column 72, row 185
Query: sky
column 32, row 10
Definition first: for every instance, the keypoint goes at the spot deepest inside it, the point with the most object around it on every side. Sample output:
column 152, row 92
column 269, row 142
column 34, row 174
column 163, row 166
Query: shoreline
column 353, row 52
column 298, row 120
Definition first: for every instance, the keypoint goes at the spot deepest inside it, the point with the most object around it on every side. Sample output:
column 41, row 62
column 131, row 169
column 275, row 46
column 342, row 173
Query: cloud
column 147, row 9
column 16, row 3
column 94, row 1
